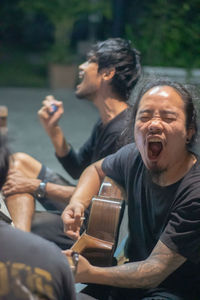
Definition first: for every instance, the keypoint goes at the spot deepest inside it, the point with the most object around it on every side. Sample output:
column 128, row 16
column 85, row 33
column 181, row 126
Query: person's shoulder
column 39, row 255
column 29, row 240
column 127, row 153
column 130, row 148
column 97, row 124
column 190, row 181
column 122, row 118
column 194, row 173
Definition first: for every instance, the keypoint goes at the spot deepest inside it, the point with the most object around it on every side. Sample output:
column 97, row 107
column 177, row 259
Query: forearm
column 88, row 185
column 130, row 275
column 148, row 273
column 74, row 163
column 59, row 192
column 59, row 142
column 52, row 191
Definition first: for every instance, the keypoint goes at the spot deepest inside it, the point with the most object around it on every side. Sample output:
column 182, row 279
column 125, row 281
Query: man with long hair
column 161, row 175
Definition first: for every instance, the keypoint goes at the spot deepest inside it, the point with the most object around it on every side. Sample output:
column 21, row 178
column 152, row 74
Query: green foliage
column 18, row 71
column 58, row 10
column 63, row 15
column 168, row 33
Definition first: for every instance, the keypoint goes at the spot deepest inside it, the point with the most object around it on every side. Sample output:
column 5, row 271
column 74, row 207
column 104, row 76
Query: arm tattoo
column 148, row 273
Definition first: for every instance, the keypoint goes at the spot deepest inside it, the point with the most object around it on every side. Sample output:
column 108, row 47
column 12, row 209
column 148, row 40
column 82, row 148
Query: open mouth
column 80, row 80
column 154, row 149
column 80, row 77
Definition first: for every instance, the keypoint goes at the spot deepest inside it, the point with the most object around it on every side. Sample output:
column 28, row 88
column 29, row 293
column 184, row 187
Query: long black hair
column 119, row 54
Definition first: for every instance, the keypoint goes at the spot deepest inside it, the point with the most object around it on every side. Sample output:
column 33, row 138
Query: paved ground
column 26, row 133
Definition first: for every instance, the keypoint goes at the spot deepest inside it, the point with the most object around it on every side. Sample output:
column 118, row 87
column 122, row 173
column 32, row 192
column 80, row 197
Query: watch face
column 40, row 193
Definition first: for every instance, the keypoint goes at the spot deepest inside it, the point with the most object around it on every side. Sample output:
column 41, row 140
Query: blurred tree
column 63, row 14
column 33, row 33
column 167, row 32
column 118, row 8
column 24, row 37
column 30, row 31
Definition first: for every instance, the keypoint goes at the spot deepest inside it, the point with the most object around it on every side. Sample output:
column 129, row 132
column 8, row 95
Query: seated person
column 107, row 79
column 161, row 176
column 31, row 267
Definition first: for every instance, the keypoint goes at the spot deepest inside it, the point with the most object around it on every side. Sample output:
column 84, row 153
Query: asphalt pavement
column 27, row 135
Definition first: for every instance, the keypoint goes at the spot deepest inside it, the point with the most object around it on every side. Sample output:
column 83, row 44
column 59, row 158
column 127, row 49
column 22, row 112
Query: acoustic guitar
column 99, row 241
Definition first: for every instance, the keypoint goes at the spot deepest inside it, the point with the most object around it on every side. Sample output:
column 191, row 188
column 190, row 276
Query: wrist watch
column 41, row 190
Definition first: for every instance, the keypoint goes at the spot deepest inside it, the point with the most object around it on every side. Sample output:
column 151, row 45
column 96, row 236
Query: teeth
column 81, row 74
column 155, row 140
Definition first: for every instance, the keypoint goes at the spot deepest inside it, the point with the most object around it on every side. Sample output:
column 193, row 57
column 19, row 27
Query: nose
column 82, row 66
column 155, row 126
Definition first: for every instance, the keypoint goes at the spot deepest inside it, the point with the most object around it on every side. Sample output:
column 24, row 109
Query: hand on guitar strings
column 73, row 217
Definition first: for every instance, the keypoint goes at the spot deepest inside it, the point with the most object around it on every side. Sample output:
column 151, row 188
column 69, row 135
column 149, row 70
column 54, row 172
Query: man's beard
column 79, row 95
column 156, row 173
column 82, row 95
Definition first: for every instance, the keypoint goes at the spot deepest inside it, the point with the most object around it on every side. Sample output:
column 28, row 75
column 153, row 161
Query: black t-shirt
column 171, row 214
column 103, row 141
column 32, row 268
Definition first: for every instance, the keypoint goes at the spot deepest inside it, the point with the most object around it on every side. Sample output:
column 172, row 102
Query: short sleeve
column 117, row 164
column 182, row 233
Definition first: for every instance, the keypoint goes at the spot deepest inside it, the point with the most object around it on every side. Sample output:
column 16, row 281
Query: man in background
column 107, row 79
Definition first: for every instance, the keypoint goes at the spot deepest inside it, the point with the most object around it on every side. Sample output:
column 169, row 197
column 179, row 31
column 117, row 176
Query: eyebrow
column 162, row 111
column 145, row 111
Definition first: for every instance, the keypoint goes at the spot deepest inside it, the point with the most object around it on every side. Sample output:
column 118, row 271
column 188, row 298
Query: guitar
column 99, row 240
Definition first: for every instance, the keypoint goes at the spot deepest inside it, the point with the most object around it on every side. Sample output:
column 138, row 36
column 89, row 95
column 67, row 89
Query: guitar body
column 98, row 242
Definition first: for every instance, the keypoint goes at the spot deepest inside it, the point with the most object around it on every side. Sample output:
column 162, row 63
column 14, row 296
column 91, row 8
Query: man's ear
column 108, row 73
column 190, row 133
